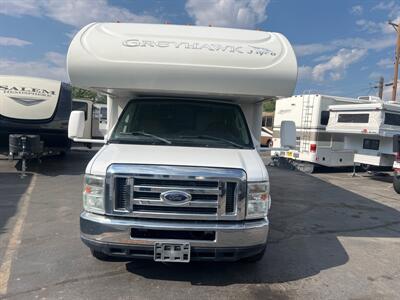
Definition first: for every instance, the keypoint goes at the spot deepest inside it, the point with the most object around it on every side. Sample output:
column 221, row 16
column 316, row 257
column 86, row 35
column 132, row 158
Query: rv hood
column 246, row 159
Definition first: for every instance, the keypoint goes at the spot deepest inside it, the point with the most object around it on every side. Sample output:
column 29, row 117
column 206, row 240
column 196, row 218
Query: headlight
column 257, row 200
column 93, row 194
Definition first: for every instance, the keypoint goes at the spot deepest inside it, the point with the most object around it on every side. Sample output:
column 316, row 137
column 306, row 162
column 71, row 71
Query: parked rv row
column 340, row 132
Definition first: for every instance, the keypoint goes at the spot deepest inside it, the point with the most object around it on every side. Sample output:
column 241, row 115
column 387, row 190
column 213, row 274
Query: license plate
column 172, row 252
column 289, row 154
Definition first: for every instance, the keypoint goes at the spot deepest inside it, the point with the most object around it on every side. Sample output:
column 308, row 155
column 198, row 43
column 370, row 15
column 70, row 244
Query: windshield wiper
column 148, row 135
column 210, row 137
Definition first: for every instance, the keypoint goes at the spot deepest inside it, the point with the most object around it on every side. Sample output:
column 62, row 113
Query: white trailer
column 95, row 117
column 179, row 177
column 368, row 130
column 34, row 116
column 315, row 146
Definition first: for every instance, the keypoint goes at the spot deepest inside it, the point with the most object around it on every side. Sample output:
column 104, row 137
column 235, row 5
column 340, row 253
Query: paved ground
column 332, row 237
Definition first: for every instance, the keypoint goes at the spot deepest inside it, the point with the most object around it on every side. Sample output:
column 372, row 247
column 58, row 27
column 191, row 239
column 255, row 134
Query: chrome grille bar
column 208, row 187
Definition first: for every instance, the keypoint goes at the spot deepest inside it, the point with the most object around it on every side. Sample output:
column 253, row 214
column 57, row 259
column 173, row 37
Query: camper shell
column 206, row 197
column 35, row 106
column 314, row 145
column 368, row 130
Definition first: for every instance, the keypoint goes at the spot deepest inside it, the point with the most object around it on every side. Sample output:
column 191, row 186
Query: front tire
column 100, row 255
column 255, row 258
column 396, row 183
column 365, row 167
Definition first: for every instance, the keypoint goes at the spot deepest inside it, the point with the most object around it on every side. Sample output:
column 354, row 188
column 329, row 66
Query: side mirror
column 288, row 134
column 76, row 124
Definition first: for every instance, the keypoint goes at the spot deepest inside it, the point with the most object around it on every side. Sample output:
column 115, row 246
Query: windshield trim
column 192, row 100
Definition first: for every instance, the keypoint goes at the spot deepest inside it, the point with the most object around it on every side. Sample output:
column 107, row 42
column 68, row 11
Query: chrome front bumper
column 99, row 231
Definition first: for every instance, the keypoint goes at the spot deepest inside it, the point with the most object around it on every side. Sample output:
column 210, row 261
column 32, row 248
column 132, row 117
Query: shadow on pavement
column 307, row 217
column 72, row 163
column 12, row 189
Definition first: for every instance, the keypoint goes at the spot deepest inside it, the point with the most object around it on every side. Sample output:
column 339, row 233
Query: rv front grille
column 212, row 197
column 230, row 197
column 122, row 193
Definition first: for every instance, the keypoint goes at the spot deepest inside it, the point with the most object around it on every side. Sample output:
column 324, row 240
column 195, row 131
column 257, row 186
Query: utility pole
column 380, row 87
column 397, row 60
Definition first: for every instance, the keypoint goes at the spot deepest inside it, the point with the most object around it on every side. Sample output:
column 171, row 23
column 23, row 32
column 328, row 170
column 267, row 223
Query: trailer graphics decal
column 27, row 102
column 28, row 91
column 261, row 51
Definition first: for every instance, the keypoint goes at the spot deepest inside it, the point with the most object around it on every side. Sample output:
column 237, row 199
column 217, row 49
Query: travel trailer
column 315, row 146
column 179, row 177
column 34, row 112
column 368, row 130
column 95, row 117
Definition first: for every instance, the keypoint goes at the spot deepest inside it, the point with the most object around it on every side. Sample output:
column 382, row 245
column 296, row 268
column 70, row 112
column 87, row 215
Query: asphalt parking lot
column 333, row 237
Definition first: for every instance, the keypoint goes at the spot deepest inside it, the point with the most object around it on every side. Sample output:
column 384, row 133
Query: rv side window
column 353, row 118
column 81, row 106
column 371, row 144
column 324, row 117
column 103, row 113
column 392, row 119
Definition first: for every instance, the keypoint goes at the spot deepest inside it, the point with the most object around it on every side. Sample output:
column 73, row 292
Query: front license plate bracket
column 172, row 252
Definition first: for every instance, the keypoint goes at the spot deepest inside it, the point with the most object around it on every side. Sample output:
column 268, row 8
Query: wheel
column 365, row 167
column 100, row 255
column 396, row 183
column 255, row 258
column 305, row 167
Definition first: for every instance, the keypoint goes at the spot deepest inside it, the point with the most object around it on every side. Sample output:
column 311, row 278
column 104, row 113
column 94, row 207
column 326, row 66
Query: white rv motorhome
column 37, row 110
column 179, row 177
column 315, row 146
column 95, row 118
column 368, row 130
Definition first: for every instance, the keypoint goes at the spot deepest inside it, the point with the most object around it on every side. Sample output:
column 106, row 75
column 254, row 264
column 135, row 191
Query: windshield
column 182, row 123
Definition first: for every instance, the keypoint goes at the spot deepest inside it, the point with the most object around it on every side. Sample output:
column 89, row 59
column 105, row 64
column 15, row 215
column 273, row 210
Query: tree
column 83, row 94
column 269, row 105
column 78, row 93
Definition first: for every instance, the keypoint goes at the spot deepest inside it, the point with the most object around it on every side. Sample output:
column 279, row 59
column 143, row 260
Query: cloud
column 374, row 75
column 392, row 7
column 369, row 26
column 356, row 10
column 55, row 58
column 228, row 13
column 312, row 49
column 12, row 41
column 304, row 72
column 76, row 13
column 361, row 43
column 52, row 66
column 336, row 67
column 385, row 63
column 20, row 8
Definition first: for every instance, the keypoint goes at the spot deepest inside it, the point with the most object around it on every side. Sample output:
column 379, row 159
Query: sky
column 342, row 46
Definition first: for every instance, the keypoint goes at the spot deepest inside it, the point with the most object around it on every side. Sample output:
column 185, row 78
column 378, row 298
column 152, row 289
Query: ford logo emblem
column 175, row 197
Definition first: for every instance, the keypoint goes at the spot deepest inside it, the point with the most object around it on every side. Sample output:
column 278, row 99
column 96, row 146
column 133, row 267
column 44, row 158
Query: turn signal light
column 313, row 148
